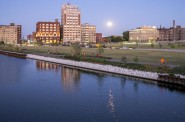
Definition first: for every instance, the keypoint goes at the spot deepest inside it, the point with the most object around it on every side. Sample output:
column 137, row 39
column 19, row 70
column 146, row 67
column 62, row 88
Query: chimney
column 173, row 23
column 56, row 20
column 12, row 24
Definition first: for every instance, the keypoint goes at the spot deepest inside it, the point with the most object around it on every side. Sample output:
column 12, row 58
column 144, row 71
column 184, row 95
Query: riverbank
column 14, row 54
column 175, row 79
column 110, row 69
column 145, row 56
column 98, row 67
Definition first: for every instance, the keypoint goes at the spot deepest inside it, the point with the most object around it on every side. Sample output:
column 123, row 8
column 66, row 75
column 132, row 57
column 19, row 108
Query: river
column 37, row 91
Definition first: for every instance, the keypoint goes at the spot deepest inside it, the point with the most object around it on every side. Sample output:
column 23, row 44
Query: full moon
column 109, row 24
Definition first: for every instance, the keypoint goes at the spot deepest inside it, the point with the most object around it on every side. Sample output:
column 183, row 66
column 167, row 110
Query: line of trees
column 124, row 37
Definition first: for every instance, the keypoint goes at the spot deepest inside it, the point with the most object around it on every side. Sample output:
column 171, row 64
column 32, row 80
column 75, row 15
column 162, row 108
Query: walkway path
column 165, row 50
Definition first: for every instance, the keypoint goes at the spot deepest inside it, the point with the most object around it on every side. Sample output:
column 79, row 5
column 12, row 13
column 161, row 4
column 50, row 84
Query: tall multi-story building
column 10, row 34
column 71, row 23
column 88, row 33
column 144, row 34
column 48, row 32
column 175, row 33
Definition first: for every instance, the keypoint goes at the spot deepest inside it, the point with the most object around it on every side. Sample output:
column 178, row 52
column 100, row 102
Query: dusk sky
column 124, row 14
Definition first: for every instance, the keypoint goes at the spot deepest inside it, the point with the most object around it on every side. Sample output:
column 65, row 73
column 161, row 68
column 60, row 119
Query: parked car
column 124, row 48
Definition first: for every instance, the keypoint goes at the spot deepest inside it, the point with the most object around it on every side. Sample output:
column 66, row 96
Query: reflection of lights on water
column 111, row 106
column 111, row 102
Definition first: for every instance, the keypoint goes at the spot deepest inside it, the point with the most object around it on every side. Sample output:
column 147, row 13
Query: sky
column 124, row 14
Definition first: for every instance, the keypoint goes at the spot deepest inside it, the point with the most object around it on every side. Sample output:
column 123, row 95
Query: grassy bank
column 147, row 60
column 149, row 57
column 154, row 45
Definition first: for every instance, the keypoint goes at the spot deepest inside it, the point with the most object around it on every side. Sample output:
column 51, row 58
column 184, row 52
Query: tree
column 2, row 43
column 152, row 45
column 76, row 49
column 116, row 39
column 126, row 35
column 39, row 42
column 136, row 59
column 100, row 49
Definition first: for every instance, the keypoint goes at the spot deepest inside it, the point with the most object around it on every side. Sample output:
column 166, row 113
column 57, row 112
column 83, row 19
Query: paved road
column 165, row 50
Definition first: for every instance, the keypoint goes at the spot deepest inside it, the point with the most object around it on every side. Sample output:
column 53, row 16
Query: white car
column 124, row 48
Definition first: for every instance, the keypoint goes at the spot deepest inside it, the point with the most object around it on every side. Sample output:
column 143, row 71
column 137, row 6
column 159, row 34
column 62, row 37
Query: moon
column 109, row 24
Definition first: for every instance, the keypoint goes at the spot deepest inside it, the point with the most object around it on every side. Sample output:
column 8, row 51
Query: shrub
column 136, row 59
column 124, row 59
column 76, row 50
column 172, row 46
column 2, row 43
column 152, row 45
column 179, row 70
column 160, row 45
column 100, row 49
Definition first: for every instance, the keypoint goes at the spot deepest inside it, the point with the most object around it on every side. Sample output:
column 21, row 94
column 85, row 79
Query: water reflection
column 70, row 77
column 111, row 102
column 136, row 86
column 100, row 79
column 53, row 101
column 111, row 106
column 42, row 65
column 10, row 69
column 123, row 81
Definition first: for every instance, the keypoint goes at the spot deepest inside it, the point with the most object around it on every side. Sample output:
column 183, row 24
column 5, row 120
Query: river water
column 37, row 91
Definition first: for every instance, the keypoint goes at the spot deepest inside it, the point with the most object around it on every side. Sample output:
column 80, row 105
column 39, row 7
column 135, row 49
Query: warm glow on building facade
column 144, row 34
column 10, row 34
column 71, row 23
column 48, row 32
column 88, row 33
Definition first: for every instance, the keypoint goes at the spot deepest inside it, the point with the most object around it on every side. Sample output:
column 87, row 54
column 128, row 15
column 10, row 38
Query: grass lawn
column 150, row 57
column 165, row 45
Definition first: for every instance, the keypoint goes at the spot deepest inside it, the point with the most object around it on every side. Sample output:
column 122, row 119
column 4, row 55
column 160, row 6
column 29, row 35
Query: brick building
column 11, row 34
column 48, row 32
column 175, row 33
column 99, row 38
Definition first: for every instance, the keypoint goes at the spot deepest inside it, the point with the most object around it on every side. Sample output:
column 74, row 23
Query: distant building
column 32, row 36
column 71, row 23
column 11, row 34
column 48, row 32
column 175, row 33
column 165, row 34
column 88, row 33
column 144, row 34
column 29, row 37
column 99, row 38
column 106, row 39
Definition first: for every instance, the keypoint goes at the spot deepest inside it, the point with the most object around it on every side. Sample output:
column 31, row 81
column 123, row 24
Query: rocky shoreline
column 98, row 67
